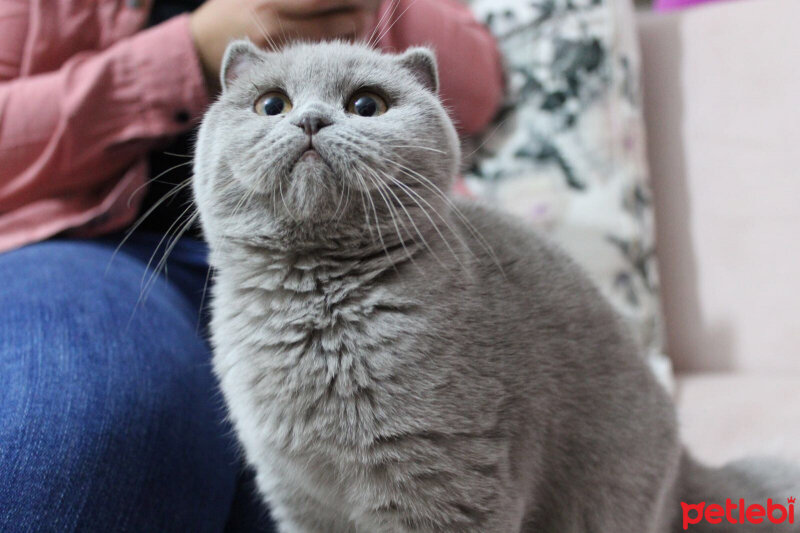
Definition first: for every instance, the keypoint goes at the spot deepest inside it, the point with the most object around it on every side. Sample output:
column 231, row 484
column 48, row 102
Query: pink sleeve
column 470, row 68
column 71, row 129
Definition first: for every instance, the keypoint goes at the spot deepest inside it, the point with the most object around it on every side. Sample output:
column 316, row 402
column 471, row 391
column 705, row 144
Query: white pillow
column 568, row 151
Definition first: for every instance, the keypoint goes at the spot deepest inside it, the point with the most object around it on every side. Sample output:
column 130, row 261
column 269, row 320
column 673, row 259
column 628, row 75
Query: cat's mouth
column 310, row 155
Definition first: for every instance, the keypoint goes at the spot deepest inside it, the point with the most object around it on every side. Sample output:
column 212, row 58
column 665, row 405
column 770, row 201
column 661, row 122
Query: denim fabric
column 110, row 419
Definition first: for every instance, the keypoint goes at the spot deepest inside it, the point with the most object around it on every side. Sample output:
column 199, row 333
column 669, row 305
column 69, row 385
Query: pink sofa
column 722, row 91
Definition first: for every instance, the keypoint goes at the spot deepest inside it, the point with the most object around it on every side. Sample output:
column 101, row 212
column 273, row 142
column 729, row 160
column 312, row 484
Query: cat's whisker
column 437, row 191
column 244, row 199
column 377, row 221
column 379, row 189
column 182, row 227
column 378, row 182
column 160, row 242
column 143, row 284
column 456, row 211
column 346, row 204
column 392, row 213
column 283, row 199
column 410, row 218
column 362, row 190
column 173, row 154
column 284, row 35
column 418, row 148
column 387, row 15
column 436, row 211
column 416, row 198
column 341, row 199
column 473, row 231
column 422, row 238
column 487, row 138
column 152, row 180
column 273, row 193
column 209, row 273
column 239, row 203
column 441, row 195
column 400, row 16
column 162, row 265
column 143, row 217
column 251, row 194
column 273, row 46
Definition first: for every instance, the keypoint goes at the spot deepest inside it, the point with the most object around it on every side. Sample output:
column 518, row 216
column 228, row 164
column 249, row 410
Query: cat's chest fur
column 304, row 349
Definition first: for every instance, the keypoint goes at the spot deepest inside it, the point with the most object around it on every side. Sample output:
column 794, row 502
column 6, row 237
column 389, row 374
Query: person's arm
column 67, row 131
column 470, row 67
column 70, row 131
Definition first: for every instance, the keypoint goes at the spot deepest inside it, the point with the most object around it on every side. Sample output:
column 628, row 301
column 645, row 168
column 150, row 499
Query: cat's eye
column 367, row 104
column 272, row 104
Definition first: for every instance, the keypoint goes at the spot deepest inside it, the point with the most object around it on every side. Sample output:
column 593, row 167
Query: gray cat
column 397, row 361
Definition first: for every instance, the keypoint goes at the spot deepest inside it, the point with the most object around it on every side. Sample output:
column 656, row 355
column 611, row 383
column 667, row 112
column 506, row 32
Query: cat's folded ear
column 422, row 64
column 240, row 56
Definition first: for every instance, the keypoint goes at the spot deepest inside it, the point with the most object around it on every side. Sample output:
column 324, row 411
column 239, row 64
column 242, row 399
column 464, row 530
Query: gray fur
column 393, row 362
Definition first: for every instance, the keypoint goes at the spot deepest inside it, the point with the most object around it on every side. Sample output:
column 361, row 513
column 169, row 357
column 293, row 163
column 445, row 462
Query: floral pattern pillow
column 567, row 152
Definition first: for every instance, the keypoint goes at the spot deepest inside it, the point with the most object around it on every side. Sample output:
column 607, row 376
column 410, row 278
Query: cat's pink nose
column 311, row 125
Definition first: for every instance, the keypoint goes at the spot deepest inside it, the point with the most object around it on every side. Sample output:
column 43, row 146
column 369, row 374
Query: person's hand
column 272, row 23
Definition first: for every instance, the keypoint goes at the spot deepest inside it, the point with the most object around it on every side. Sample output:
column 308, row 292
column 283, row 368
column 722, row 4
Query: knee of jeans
column 109, row 379
column 108, row 404
column 78, row 279
column 93, row 369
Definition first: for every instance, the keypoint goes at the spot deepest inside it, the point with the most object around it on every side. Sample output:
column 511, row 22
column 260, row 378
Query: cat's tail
column 711, row 499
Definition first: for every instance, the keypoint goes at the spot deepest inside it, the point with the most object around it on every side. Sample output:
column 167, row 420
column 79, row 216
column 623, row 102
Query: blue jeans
column 110, row 419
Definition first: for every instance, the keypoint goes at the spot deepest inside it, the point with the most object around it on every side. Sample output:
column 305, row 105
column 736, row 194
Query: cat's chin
column 313, row 189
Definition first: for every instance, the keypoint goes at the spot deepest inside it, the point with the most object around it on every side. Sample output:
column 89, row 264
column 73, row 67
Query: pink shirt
column 85, row 95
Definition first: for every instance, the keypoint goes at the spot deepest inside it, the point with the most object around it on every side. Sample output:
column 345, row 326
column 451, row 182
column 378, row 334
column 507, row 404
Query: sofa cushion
column 666, row 5
column 730, row 416
column 722, row 88
column 568, row 152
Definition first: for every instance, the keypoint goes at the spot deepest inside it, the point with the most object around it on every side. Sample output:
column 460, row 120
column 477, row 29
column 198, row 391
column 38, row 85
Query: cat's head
column 322, row 138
